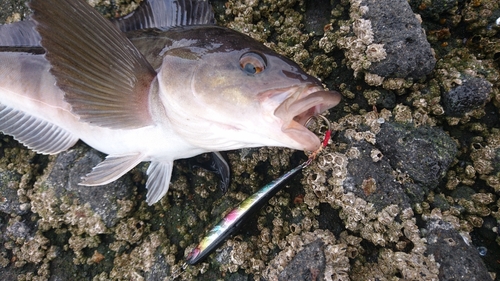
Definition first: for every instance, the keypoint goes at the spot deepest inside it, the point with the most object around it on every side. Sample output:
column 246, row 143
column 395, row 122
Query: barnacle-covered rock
column 450, row 249
column 424, row 153
column 486, row 159
column 309, row 263
column 412, row 264
column 470, row 94
column 340, row 193
column 388, row 41
column 331, row 262
column 64, row 185
column 373, row 181
column 399, row 31
column 11, row 202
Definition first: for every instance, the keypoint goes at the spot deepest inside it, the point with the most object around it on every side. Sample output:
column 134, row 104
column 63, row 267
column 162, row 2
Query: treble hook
column 328, row 135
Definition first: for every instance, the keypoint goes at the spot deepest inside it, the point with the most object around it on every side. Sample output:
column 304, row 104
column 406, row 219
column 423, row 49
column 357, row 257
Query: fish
column 161, row 84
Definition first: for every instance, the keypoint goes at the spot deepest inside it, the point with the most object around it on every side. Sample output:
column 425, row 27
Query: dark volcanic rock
column 363, row 169
column 458, row 259
column 394, row 24
column 308, row 264
column 424, row 153
column 317, row 15
column 472, row 94
column 67, row 172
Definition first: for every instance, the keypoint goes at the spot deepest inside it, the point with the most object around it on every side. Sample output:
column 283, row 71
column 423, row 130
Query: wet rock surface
column 375, row 182
column 317, row 16
column 402, row 167
column 434, row 8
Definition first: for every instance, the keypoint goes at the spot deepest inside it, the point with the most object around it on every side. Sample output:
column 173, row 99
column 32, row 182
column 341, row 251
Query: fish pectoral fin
column 167, row 13
column 112, row 168
column 159, row 174
column 35, row 133
column 105, row 78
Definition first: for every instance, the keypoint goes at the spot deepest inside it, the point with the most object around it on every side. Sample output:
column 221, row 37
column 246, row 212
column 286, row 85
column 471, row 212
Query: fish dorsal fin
column 106, row 80
column 112, row 168
column 37, row 134
column 19, row 34
column 164, row 14
column 159, row 174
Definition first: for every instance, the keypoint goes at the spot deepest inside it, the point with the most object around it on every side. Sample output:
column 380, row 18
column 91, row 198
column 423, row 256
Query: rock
column 458, row 259
column 317, row 15
column 160, row 270
column 472, row 94
column 408, row 53
column 413, row 161
column 9, row 200
column 363, row 169
column 70, row 166
column 308, row 264
column 435, row 8
column 424, row 153
column 20, row 230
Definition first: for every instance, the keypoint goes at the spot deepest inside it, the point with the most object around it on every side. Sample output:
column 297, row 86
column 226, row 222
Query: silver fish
column 149, row 87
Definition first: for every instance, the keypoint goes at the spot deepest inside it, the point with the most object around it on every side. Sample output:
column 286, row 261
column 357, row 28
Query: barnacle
column 337, row 263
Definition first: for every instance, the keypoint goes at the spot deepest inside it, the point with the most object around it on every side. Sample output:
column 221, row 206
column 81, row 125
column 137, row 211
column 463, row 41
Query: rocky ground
column 406, row 189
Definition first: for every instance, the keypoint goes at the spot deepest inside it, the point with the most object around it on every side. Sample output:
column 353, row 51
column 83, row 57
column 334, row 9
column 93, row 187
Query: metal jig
column 232, row 221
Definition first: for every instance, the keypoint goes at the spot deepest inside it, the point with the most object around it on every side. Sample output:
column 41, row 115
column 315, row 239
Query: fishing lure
column 232, row 221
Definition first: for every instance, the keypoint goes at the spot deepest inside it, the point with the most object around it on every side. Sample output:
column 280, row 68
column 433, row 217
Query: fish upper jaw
column 297, row 107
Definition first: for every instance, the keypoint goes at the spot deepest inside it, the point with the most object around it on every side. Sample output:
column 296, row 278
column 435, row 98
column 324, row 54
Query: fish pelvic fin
column 19, row 34
column 112, row 168
column 223, row 170
column 217, row 164
column 35, row 133
column 105, row 78
column 159, row 174
column 164, row 14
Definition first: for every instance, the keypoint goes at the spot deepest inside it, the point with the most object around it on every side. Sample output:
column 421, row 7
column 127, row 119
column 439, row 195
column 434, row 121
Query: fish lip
column 298, row 107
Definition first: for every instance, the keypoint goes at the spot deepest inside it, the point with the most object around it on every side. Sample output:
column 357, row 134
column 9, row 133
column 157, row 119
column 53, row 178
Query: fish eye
column 252, row 63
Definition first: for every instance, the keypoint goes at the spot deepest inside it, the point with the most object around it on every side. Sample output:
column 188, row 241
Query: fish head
column 256, row 96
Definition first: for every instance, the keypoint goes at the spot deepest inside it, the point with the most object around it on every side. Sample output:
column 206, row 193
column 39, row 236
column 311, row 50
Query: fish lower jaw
column 299, row 137
column 295, row 111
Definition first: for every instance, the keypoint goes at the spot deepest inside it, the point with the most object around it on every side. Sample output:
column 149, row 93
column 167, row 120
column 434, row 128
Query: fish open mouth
column 299, row 107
